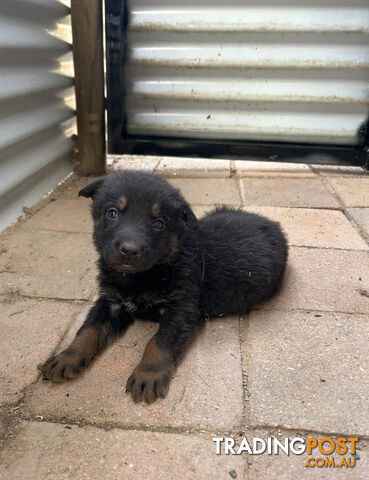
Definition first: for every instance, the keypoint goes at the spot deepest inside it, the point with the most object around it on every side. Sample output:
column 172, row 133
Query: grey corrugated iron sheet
column 260, row 70
column 36, row 84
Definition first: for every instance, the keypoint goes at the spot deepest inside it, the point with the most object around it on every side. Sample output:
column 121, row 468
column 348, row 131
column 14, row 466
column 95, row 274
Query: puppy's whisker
column 203, row 267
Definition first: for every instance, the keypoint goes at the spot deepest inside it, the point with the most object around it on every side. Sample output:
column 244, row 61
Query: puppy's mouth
column 129, row 268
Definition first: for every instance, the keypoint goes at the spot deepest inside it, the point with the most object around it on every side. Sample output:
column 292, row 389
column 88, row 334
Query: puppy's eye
column 112, row 213
column 159, row 224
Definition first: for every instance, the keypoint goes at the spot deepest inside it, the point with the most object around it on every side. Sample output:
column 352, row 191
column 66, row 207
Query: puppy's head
column 139, row 220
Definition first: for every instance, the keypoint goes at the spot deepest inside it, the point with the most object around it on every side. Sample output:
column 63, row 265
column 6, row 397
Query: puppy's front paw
column 147, row 384
column 65, row 366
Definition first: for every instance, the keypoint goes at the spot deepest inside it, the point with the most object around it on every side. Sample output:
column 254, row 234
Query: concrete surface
column 306, row 367
column 30, row 328
column 48, row 264
column 309, row 227
column 271, row 169
column 325, row 279
column 297, row 366
column 361, row 216
column 287, row 192
column 65, row 215
column 46, row 451
column 353, row 191
column 197, row 398
column 208, row 191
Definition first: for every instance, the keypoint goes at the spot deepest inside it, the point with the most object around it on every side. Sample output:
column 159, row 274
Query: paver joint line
column 236, row 431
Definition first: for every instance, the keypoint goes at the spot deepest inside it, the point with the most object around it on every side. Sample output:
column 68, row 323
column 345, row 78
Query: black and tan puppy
column 158, row 262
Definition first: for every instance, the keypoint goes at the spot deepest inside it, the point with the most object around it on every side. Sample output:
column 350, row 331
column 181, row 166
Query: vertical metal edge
column 366, row 145
column 116, row 20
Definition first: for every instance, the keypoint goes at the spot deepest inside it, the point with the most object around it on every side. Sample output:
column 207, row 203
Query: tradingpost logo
column 319, row 451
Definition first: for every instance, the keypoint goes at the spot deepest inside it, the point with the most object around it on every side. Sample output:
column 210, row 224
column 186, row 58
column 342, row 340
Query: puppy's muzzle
column 130, row 251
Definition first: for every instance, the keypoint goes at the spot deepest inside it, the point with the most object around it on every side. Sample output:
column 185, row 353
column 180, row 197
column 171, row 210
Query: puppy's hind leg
column 105, row 322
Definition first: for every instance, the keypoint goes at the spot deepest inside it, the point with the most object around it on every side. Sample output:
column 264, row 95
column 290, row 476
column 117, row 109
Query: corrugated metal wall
column 36, row 102
column 265, row 70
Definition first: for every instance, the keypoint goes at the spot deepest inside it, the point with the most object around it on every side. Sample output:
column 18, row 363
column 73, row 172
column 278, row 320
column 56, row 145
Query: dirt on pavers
column 9, row 425
column 315, row 374
column 30, row 330
column 363, row 292
column 191, row 168
column 65, row 215
column 48, row 264
column 52, row 196
column 47, row 450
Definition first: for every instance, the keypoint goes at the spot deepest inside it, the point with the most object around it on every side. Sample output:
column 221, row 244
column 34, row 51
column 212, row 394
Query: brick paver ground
column 297, row 366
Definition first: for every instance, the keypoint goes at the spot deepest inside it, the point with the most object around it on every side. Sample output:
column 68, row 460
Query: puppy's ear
column 188, row 216
column 91, row 189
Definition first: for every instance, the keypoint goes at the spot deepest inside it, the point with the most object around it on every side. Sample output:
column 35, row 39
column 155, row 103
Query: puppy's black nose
column 130, row 249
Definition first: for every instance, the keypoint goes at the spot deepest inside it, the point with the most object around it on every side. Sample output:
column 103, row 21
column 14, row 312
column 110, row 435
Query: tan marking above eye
column 173, row 249
column 155, row 209
column 122, row 202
